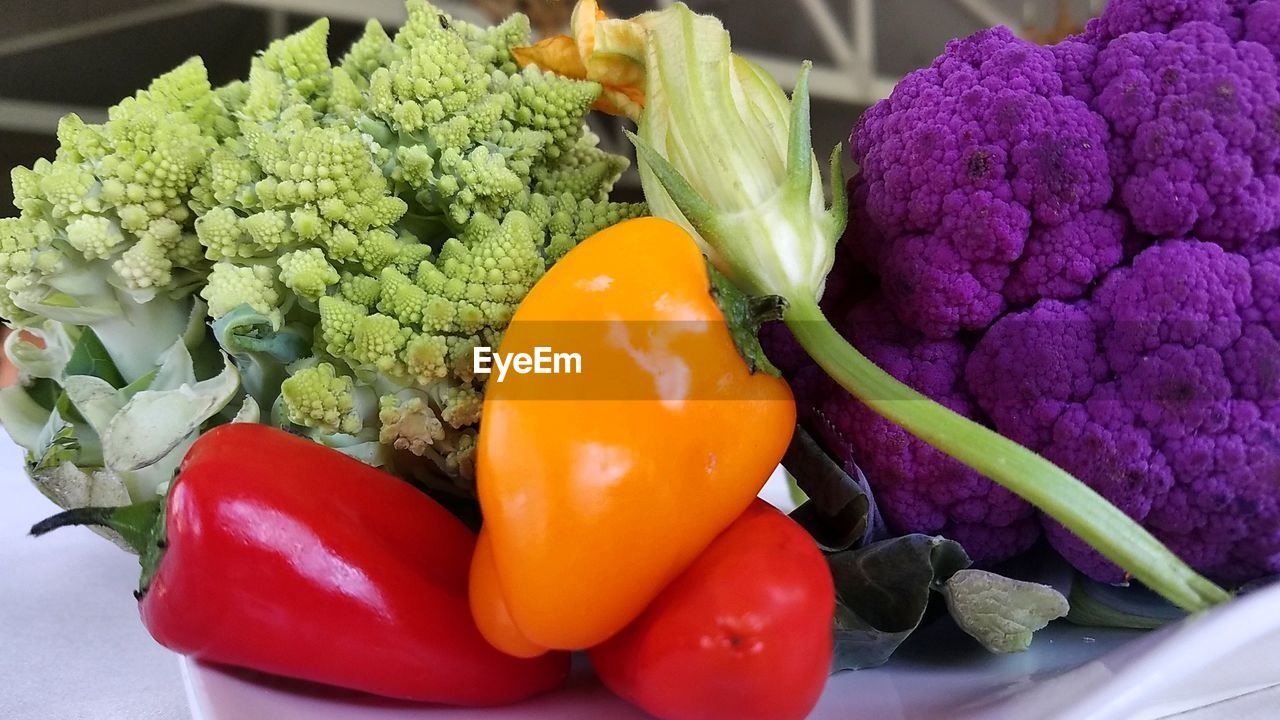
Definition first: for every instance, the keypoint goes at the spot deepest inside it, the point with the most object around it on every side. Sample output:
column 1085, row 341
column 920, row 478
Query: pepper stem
column 141, row 525
column 1046, row 486
column 745, row 314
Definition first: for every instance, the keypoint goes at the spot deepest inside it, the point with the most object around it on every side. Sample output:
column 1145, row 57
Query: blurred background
column 81, row 56
column 60, row 56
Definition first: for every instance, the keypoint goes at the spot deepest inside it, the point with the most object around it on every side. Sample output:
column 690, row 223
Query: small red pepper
column 744, row 632
column 276, row 554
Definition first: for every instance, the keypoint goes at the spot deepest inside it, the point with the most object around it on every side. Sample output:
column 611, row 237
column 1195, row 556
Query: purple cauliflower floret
column 1161, row 394
column 1079, row 246
column 1196, row 134
column 968, row 166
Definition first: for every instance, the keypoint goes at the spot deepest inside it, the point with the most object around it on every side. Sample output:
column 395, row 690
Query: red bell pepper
column 744, row 632
column 277, row 554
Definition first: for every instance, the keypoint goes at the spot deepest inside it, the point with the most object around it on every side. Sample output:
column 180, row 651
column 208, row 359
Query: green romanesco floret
column 338, row 319
column 360, row 289
column 113, row 203
column 104, row 236
column 301, row 61
column 94, row 236
column 318, row 397
column 585, row 171
column 230, row 286
column 376, row 343
column 307, row 273
column 373, row 50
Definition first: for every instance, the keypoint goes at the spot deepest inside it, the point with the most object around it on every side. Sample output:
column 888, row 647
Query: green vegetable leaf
column 62, row 447
column 1001, row 613
column 840, row 512
column 23, row 416
column 1097, row 605
column 882, row 592
column 44, row 392
column 155, row 422
column 261, row 350
column 245, row 330
column 90, row 358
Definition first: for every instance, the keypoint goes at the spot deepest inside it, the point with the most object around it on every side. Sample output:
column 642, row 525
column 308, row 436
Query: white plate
column 1225, row 664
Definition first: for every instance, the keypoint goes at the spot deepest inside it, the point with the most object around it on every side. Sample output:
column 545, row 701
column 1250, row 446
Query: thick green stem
column 137, row 337
column 1054, row 491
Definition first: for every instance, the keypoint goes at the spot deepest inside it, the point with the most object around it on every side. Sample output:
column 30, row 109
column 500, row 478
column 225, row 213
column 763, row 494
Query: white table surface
column 71, row 643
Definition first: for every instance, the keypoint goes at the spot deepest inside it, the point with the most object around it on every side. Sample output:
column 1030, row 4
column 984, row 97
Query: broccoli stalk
column 754, row 208
column 141, row 332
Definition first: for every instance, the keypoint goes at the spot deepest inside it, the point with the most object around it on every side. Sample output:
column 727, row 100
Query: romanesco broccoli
column 352, row 230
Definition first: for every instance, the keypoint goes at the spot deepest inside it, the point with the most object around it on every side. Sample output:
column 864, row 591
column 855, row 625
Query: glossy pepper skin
column 744, row 632
column 284, row 556
column 598, row 489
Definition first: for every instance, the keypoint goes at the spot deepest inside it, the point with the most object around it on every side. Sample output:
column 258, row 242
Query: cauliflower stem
column 1053, row 490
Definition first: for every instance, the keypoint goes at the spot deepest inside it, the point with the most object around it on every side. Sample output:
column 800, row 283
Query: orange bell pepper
column 599, row 488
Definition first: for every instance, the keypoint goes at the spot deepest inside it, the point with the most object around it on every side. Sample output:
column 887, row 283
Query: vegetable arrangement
column 1038, row 244
column 762, row 220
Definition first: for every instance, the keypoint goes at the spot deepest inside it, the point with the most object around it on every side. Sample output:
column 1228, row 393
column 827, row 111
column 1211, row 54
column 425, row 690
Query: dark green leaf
column 840, row 512
column 140, row 384
column 67, row 410
column 1097, row 605
column 90, row 357
column 64, row 446
column 245, row 331
column 882, row 592
column 45, row 392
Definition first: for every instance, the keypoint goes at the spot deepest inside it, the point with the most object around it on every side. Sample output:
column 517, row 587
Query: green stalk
column 1046, row 486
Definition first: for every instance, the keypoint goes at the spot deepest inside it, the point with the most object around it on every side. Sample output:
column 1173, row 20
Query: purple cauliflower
column 1078, row 245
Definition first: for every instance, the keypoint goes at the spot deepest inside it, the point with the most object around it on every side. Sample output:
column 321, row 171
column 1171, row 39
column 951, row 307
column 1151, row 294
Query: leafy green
column 744, row 315
column 884, row 587
column 90, row 358
column 840, row 511
column 1097, row 605
column 882, row 592
column 1000, row 612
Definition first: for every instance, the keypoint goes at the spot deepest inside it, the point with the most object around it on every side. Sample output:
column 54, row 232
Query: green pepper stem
column 1049, row 488
column 134, row 523
column 142, row 525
